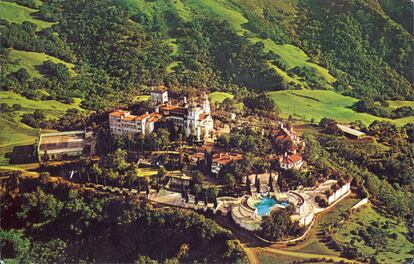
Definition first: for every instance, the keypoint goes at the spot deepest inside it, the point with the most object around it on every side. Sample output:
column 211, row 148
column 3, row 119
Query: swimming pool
column 266, row 203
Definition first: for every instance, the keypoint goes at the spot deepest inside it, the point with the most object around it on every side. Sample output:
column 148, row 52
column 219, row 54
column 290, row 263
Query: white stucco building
column 123, row 123
column 288, row 162
column 194, row 118
column 159, row 95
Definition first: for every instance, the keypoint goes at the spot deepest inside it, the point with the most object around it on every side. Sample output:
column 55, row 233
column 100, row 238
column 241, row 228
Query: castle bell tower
column 206, row 104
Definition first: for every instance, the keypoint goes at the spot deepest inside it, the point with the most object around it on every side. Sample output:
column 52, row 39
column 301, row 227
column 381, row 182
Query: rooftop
column 351, row 131
column 126, row 115
column 119, row 113
column 159, row 89
column 168, row 107
column 60, row 139
column 289, row 159
column 226, row 158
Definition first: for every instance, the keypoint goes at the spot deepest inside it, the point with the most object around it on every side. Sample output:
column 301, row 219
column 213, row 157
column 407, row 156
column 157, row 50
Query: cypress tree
column 271, row 183
column 248, row 183
column 256, row 181
column 182, row 191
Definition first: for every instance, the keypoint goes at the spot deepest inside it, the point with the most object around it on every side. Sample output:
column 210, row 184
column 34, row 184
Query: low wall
column 360, row 203
column 304, row 221
column 248, row 211
column 339, row 193
column 246, row 225
column 301, row 201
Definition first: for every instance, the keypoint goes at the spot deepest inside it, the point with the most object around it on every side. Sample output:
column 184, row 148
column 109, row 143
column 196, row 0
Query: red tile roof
column 155, row 117
column 168, row 107
column 225, row 158
column 202, row 116
column 141, row 117
column 295, row 158
column 119, row 113
column 127, row 116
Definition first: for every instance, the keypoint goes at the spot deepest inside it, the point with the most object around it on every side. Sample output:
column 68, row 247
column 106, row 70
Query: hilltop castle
column 194, row 118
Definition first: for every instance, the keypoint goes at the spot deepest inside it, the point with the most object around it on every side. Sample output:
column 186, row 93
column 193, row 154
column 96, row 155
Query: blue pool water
column 263, row 207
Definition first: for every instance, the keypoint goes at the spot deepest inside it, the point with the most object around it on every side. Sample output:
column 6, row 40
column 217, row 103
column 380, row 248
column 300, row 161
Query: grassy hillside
column 30, row 60
column 293, row 56
column 228, row 10
column 396, row 250
column 218, row 97
column 52, row 108
column 221, row 9
column 13, row 12
column 308, row 104
column 399, row 103
column 13, row 132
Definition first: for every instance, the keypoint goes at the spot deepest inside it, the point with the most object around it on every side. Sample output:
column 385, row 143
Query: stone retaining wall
column 360, row 203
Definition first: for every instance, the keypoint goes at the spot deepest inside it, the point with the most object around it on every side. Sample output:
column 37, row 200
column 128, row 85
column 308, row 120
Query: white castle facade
column 193, row 118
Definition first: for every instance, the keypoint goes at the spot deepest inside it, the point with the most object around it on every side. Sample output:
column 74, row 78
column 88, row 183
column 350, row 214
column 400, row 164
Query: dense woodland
column 369, row 52
column 385, row 172
column 118, row 50
column 65, row 224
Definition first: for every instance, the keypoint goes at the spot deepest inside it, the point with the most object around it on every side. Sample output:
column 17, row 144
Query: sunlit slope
column 13, row 12
column 228, row 10
column 317, row 104
column 31, row 61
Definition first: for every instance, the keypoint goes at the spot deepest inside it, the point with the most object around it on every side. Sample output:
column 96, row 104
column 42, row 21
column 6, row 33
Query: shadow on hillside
column 21, row 155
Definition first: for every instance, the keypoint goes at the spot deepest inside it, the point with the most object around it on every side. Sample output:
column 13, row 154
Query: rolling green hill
column 188, row 10
column 16, row 13
column 335, row 52
column 30, row 60
column 396, row 249
column 317, row 104
column 218, row 97
column 13, row 132
column 281, row 26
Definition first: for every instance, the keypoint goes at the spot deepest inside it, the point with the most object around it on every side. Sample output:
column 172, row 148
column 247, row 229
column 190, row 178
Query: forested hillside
column 360, row 48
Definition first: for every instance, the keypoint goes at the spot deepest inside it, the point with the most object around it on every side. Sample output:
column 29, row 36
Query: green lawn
column 29, row 60
column 267, row 258
column 172, row 42
column 153, row 8
column 293, row 56
column 315, row 245
column 13, row 132
column 399, row 103
column 219, row 97
column 395, row 250
column 308, row 104
column 141, row 98
column 52, row 108
column 286, row 77
column 220, row 10
column 13, row 12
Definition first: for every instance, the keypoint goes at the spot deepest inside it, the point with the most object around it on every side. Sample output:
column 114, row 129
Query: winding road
column 253, row 247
